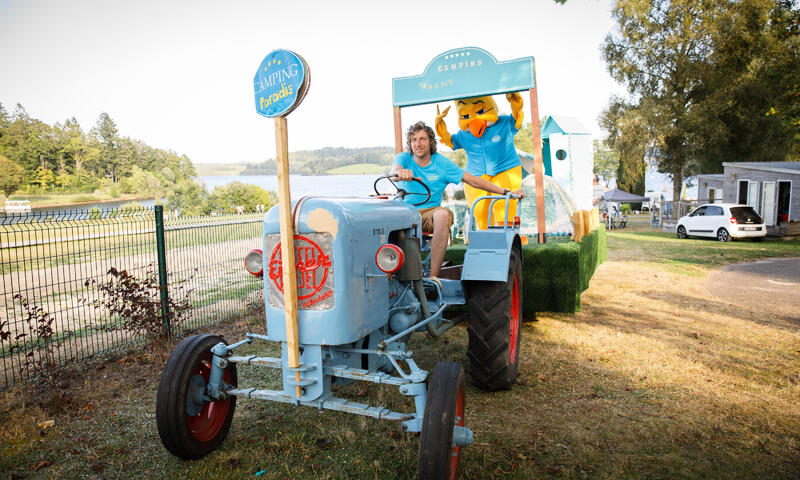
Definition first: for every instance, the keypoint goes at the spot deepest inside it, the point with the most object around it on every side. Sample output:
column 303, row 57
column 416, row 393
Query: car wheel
column 682, row 232
column 722, row 235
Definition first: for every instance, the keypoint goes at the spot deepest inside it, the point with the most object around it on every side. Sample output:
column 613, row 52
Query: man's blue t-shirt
column 437, row 175
column 494, row 152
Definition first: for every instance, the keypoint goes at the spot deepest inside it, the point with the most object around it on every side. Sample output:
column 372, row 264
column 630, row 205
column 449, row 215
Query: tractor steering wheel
column 400, row 192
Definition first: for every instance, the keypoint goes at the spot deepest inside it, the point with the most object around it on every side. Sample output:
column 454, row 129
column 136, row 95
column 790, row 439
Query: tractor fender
column 488, row 254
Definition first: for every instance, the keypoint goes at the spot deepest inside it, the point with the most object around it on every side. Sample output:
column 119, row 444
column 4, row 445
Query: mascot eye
column 465, row 117
column 481, row 111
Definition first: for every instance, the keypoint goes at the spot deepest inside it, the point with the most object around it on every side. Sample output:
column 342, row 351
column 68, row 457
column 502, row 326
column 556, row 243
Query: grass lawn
column 654, row 378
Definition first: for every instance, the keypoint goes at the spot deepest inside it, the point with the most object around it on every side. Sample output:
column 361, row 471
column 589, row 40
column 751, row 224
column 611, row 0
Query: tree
column 105, row 131
column 752, row 93
column 628, row 136
column 78, row 147
column 142, row 183
column 606, row 161
column 659, row 52
column 11, row 176
column 701, row 77
column 25, row 142
column 227, row 198
column 44, row 177
column 190, row 198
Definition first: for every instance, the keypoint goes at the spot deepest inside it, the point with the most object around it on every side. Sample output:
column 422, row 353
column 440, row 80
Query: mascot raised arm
column 488, row 139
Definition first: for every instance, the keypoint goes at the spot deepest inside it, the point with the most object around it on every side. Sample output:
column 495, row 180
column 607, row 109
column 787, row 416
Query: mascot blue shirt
column 437, row 175
column 494, row 151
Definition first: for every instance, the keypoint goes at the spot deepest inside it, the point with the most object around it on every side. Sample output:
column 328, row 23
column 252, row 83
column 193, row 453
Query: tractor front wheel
column 189, row 425
column 444, row 409
column 495, row 316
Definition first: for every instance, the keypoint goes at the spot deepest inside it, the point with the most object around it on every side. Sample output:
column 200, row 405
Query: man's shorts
column 427, row 218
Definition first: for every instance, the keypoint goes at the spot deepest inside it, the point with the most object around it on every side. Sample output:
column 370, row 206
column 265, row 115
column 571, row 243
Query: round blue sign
column 280, row 83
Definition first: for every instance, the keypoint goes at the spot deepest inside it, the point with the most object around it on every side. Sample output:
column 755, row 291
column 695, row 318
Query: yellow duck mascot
column 488, row 139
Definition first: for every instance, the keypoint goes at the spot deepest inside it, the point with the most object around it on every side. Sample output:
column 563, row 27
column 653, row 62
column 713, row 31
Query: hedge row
column 554, row 274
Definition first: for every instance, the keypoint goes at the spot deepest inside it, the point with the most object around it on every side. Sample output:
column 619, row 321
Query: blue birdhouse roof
column 562, row 124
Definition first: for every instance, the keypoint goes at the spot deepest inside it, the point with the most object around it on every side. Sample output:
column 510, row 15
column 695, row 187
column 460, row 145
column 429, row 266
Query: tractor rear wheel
column 189, row 426
column 444, row 409
column 495, row 316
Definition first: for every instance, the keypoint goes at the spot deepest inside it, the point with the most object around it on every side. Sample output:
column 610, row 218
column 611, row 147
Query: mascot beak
column 477, row 127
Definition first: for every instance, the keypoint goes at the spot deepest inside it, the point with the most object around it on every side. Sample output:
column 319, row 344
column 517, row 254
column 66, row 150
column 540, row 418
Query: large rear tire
column 495, row 317
column 444, row 409
column 190, row 428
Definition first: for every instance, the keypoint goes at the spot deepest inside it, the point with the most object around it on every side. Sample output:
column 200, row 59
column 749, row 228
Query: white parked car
column 723, row 221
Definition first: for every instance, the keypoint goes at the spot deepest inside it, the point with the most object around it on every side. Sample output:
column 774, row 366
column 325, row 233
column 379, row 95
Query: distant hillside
column 328, row 160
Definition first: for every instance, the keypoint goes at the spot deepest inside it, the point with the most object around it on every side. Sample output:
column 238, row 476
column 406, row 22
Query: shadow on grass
column 588, row 417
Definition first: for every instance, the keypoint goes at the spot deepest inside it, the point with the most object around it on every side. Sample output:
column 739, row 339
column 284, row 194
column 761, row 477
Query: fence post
column 162, row 268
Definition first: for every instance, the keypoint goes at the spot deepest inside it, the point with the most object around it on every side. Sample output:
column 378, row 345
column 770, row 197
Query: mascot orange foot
column 488, row 140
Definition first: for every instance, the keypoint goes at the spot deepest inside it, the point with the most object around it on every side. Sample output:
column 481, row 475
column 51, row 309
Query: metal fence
column 51, row 264
column 664, row 214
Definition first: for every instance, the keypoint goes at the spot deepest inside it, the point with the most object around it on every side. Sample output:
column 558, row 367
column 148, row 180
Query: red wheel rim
column 455, row 452
column 514, row 327
column 207, row 424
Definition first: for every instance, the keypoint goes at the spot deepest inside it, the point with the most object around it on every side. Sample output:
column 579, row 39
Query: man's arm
column 478, row 182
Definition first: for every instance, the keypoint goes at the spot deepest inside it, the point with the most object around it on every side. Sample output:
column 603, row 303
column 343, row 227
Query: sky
column 178, row 75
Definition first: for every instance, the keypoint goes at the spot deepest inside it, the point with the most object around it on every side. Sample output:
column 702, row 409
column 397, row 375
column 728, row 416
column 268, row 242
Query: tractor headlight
column 254, row 262
column 389, row 258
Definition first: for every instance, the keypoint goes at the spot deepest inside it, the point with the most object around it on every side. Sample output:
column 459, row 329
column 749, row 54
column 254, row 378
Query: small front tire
column 444, row 409
column 190, row 428
column 682, row 232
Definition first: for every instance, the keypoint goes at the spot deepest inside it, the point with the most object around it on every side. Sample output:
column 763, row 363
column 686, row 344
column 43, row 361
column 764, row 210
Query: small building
column 567, row 157
column 710, row 188
column 771, row 188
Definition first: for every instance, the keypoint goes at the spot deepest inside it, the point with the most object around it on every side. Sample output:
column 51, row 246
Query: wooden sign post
column 281, row 82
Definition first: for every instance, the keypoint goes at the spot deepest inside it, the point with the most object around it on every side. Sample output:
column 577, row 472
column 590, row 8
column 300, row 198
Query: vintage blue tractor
column 361, row 293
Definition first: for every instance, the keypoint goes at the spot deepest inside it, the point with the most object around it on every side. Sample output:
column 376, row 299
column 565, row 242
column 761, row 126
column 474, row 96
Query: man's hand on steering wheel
column 407, row 176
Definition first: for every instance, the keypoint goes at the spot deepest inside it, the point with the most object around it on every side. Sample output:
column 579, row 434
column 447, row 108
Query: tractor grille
column 313, row 255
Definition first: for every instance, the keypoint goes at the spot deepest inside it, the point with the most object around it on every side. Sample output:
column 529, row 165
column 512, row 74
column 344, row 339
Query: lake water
column 302, row 185
column 299, row 186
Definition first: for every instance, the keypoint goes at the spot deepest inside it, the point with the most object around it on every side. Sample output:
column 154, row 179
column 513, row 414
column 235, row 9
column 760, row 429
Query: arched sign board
column 474, row 72
column 462, row 73
column 281, row 82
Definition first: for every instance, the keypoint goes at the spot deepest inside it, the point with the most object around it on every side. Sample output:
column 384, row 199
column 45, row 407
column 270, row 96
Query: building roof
column 712, row 176
column 780, row 167
column 562, row 124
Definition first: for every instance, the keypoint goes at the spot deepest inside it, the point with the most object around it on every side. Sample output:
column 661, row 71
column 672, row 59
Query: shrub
column 226, row 198
column 625, row 208
column 137, row 303
column 39, row 342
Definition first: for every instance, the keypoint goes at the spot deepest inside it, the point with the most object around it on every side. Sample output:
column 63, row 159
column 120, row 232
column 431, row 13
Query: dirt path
column 771, row 286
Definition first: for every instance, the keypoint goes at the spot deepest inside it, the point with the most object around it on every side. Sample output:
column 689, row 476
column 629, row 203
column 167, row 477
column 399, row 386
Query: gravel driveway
column 771, row 286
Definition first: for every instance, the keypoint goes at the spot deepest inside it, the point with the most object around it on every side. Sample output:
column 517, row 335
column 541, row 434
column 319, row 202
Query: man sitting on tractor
column 436, row 171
